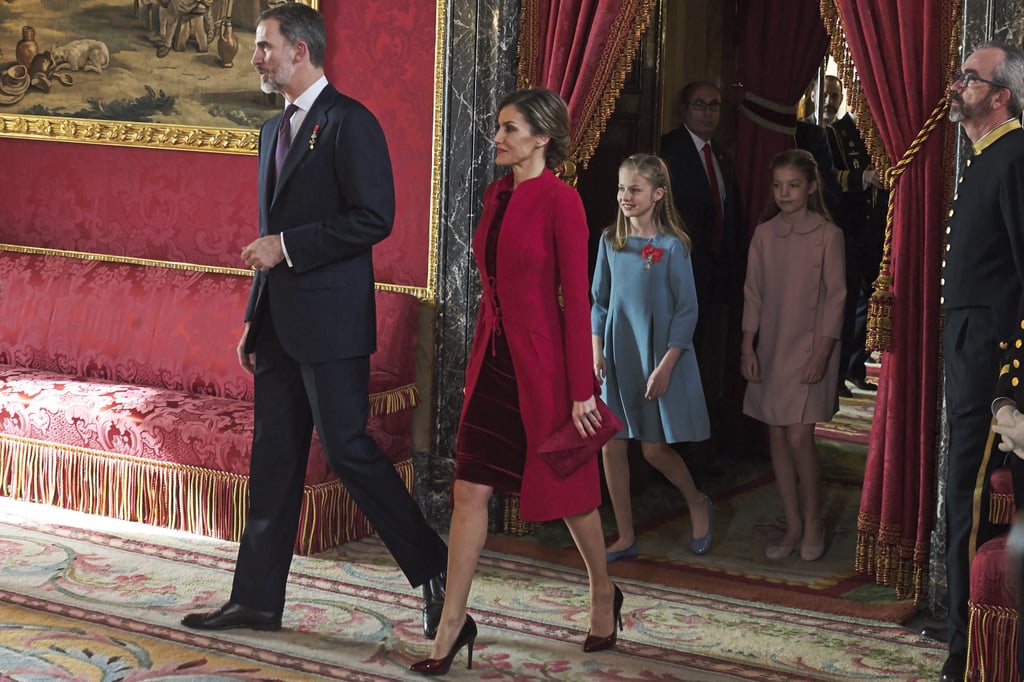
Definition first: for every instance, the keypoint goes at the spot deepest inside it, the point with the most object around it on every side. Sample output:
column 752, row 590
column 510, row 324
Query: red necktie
column 284, row 139
column 716, row 198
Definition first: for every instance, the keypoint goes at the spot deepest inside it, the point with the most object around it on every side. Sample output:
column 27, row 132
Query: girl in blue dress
column 643, row 317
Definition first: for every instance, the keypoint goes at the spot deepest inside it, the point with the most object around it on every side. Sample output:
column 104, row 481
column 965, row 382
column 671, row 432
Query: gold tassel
column 881, row 304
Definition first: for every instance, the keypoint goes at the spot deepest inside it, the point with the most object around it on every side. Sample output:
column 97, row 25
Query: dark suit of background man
column 861, row 215
column 982, row 275
column 718, row 263
column 311, row 326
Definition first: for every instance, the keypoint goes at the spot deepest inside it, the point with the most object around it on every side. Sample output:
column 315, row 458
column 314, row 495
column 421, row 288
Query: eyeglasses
column 964, row 80
column 701, row 105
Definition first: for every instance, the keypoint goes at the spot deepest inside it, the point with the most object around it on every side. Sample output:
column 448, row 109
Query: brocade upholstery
column 992, row 608
column 990, row 581
column 138, row 361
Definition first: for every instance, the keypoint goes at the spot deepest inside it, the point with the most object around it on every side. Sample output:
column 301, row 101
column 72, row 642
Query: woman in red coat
column 529, row 370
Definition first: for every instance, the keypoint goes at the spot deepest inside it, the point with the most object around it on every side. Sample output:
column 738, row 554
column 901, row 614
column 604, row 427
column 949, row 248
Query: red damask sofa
column 121, row 395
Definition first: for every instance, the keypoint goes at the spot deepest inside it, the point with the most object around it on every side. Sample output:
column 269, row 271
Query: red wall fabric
column 200, row 207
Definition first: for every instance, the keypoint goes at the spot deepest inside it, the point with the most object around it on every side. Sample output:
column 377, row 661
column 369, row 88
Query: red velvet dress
column 491, row 445
column 531, row 358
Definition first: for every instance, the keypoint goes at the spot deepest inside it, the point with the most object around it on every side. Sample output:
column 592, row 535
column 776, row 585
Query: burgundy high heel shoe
column 593, row 643
column 440, row 666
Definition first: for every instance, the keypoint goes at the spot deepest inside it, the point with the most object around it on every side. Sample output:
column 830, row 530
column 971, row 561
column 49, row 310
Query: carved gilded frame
column 123, row 133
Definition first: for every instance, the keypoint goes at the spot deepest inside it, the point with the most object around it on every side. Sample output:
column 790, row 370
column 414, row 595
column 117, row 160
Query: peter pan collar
column 783, row 229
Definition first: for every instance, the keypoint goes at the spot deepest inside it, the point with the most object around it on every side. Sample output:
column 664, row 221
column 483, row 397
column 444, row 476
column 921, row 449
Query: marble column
column 480, row 67
column 982, row 20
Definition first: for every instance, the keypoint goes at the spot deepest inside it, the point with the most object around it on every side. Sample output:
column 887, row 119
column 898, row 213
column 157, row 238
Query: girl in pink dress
column 792, row 319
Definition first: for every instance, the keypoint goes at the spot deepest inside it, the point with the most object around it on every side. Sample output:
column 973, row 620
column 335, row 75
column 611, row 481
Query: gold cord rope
column 879, row 334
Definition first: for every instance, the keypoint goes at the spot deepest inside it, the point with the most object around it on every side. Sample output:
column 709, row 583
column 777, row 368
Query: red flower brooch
column 652, row 254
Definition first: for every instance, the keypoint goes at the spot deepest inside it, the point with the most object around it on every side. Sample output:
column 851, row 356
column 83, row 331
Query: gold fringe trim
column 616, row 60
column 511, row 523
column 166, row 494
column 394, row 400
column 1001, row 508
column 894, row 561
column 992, row 642
column 418, row 292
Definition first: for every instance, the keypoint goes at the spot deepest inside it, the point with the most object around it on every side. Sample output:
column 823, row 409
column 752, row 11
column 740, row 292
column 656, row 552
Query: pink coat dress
column 793, row 296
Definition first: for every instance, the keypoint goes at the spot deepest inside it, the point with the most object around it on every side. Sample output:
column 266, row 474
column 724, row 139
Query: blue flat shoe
column 630, row 552
column 701, row 545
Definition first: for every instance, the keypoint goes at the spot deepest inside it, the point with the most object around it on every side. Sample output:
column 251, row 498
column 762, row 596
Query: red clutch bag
column 565, row 451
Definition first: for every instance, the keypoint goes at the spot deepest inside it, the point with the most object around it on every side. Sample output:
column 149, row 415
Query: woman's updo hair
column 546, row 114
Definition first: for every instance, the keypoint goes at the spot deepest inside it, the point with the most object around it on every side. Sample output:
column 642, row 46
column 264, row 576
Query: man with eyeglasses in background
column 704, row 191
column 982, row 286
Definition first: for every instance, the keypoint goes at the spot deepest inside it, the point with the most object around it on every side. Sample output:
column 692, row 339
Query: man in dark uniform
column 982, row 275
column 1010, row 427
column 861, row 215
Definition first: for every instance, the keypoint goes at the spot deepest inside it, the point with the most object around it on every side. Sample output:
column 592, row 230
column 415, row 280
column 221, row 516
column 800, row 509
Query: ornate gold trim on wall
column 148, row 135
column 440, row 38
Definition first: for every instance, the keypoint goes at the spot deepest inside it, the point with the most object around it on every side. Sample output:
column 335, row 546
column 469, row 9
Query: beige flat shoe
column 778, row 552
column 813, row 552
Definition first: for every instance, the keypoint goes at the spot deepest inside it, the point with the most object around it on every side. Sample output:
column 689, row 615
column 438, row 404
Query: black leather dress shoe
column 864, row 385
column 939, row 634
column 233, row 616
column 433, row 604
column 844, row 391
column 953, row 669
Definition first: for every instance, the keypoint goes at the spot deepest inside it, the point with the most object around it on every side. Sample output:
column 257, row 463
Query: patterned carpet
column 748, row 517
column 87, row 598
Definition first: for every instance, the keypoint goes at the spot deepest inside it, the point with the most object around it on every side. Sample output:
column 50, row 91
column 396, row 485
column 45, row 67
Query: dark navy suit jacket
column 334, row 201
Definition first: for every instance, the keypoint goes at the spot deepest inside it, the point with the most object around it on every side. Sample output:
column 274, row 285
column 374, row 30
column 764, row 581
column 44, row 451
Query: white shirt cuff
column 284, row 250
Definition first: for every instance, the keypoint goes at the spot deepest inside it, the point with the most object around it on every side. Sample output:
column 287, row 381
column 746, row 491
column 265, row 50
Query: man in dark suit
column 326, row 197
column 704, row 192
column 982, row 275
column 861, row 214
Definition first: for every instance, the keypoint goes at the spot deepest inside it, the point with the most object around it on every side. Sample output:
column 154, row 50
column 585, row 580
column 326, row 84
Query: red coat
column 542, row 243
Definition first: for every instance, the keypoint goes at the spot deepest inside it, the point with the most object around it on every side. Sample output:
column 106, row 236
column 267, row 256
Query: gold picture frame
column 111, row 54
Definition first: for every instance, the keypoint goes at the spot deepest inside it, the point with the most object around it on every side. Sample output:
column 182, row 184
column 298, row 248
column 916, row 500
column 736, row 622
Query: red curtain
column 781, row 44
column 903, row 52
column 581, row 49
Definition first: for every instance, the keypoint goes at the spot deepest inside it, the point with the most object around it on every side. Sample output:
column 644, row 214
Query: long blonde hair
column 665, row 216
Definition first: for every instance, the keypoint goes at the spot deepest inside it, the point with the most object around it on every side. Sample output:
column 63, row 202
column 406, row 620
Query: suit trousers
column 292, row 397
column 972, row 358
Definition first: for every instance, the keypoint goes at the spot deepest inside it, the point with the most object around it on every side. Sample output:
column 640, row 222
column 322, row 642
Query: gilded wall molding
column 121, row 133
